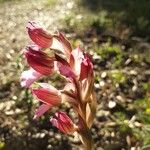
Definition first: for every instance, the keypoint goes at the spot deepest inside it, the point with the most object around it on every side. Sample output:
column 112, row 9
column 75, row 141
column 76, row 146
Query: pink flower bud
column 86, row 68
column 48, row 94
column 39, row 60
column 63, row 123
column 39, row 36
column 28, row 77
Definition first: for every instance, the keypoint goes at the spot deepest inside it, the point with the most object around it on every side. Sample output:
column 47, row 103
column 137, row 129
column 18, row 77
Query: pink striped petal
column 41, row 110
column 39, row 61
column 48, row 97
column 39, row 35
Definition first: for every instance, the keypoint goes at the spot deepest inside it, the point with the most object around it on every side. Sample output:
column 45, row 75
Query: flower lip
column 28, row 77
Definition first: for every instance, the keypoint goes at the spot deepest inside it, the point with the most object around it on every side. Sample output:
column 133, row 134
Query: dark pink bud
column 39, row 61
column 63, row 123
column 86, row 68
column 39, row 36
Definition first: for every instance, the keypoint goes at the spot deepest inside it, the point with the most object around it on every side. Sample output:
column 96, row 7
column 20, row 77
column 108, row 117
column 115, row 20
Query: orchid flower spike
column 53, row 53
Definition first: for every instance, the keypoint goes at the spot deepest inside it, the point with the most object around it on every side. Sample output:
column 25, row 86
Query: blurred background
column 117, row 35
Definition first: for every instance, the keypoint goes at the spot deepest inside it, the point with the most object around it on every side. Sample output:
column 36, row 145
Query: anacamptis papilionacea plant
column 51, row 53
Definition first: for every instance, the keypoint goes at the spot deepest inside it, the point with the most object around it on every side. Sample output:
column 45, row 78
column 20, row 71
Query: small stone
column 133, row 148
column 118, row 97
column 58, row 136
column 96, row 85
column 101, row 83
column 42, row 135
column 134, row 88
column 133, row 72
column 103, row 75
column 111, row 104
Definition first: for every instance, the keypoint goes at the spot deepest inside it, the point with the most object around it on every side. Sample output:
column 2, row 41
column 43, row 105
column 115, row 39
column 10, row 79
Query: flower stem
column 87, row 139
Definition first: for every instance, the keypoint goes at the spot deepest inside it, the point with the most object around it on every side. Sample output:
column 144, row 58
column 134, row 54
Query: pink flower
column 50, row 97
column 63, row 123
column 39, row 36
column 28, row 77
column 76, row 67
column 39, row 60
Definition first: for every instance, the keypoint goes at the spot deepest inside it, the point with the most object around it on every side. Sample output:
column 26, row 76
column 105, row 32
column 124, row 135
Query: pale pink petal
column 49, row 88
column 70, row 87
column 41, row 110
column 28, row 77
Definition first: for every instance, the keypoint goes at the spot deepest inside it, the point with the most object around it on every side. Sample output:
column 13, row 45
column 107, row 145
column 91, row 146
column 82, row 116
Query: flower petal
column 76, row 60
column 65, row 44
column 28, row 77
column 41, row 110
column 39, row 61
column 39, row 35
column 49, row 88
column 69, row 94
column 64, row 68
column 48, row 97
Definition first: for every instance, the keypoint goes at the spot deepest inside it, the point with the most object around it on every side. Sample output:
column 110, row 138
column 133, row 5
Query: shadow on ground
column 133, row 14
